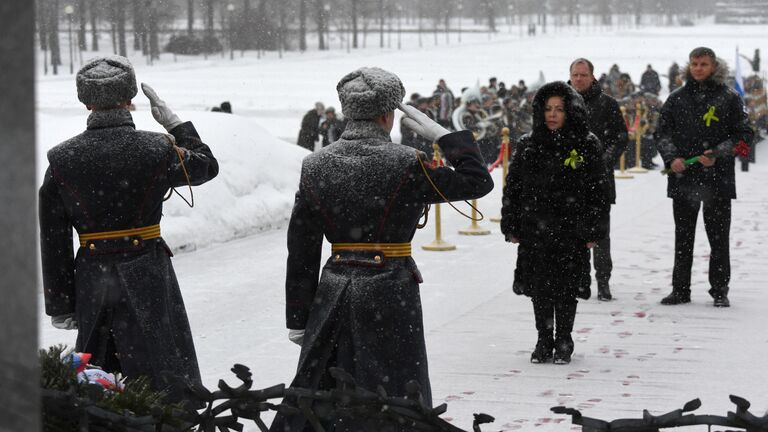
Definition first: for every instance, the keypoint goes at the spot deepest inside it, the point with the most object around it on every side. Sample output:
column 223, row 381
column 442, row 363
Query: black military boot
column 544, row 312
column 565, row 315
column 721, row 297
column 603, row 291
column 677, row 297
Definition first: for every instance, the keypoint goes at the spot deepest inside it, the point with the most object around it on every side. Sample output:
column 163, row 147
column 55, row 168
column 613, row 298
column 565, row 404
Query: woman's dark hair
column 575, row 110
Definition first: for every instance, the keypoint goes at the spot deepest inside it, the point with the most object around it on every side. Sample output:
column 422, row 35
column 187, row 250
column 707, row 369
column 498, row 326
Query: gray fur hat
column 106, row 81
column 369, row 92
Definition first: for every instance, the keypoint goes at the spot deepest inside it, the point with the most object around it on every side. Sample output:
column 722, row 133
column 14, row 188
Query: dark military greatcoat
column 363, row 312
column 123, row 291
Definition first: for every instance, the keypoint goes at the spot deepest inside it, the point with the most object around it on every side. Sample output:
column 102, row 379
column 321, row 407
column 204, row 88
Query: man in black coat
column 604, row 120
column 310, row 127
column 649, row 81
column 674, row 77
column 704, row 118
column 108, row 183
column 366, row 195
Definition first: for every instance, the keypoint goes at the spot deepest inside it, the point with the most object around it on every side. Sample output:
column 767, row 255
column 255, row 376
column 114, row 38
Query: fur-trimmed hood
column 575, row 109
column 719, row 77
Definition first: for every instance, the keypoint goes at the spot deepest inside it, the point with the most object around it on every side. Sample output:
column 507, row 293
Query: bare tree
column 303, row 25
column 138, row 25
column 245, row 33
column 354, row 22
column 490, row 11
column 209, row 8
column 94, row 14
column 448, row 15
column 120, row 27
column 53, row 34
column 42, row 23
column 190, row 16
column 604, row 10
column 572, row 9
column 320, row 24
column 81, row 20
column 150, row 25
column 282, row 43
column 381, row 23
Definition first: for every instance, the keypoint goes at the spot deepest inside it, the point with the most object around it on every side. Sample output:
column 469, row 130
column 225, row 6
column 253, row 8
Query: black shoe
column 722, row 301
column 563, row 350
column 543, row 351
column 677, row 297
column 603, row 292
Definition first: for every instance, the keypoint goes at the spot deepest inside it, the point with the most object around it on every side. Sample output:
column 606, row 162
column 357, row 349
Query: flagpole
column 737, row 75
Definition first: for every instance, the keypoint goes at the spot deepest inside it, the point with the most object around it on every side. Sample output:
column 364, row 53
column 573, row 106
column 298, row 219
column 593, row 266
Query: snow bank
column 254, row 189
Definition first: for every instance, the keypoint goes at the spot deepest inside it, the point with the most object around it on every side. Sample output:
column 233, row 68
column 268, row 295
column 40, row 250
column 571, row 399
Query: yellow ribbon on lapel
column 710, row 115
column 574, row 159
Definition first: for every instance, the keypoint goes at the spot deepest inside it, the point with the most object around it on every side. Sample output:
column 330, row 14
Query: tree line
column 286, row 24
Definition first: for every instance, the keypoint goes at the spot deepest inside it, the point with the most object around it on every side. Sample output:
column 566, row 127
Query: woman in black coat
column 555, row 206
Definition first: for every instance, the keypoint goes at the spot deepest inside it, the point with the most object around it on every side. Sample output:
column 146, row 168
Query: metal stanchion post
column 438, row 244
column 474, row 228
column 504, row 163
column 622, row 159
column 621, row 174
column 640, row 129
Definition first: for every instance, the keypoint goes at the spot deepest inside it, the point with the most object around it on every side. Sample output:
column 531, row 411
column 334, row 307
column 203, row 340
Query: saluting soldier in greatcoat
column 366, row 195
column 119, row 290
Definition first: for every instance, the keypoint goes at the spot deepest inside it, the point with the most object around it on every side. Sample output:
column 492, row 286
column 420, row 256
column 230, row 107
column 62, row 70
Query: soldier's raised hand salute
column 420, row 123
column 160, row 110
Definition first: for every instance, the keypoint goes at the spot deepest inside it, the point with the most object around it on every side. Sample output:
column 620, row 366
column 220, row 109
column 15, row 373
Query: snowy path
column 631, row 353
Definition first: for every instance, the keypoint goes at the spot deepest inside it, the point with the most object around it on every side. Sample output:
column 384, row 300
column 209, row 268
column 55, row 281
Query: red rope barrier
column 499, row 159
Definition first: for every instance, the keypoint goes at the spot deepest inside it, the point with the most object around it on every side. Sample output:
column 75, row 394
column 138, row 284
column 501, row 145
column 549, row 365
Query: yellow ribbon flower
column 710, row 115
column 574, row 159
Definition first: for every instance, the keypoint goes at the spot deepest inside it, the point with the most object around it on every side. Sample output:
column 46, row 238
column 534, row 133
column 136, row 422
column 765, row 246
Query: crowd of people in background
column 487, row 109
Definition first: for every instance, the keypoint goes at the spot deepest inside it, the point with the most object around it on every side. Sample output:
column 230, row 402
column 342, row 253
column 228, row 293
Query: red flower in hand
column 741, row 150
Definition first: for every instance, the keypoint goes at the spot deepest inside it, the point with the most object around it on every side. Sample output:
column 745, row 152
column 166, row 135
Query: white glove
column 64, row 322
column 296, row 336
column 160, row 110
column 418, row 122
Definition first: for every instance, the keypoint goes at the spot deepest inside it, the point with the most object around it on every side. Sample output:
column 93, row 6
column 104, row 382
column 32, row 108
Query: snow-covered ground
column 631, row 353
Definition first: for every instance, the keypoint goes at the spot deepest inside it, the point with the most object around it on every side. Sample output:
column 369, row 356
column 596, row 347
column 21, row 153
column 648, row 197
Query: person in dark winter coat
column 605, row 121
column 649, row 81
column 446, row 102
column 365, row 195
column 554, row 207
column 310, row 127
column 674, row 77
column 119, row 291
column 703, row 118
column 332, row 127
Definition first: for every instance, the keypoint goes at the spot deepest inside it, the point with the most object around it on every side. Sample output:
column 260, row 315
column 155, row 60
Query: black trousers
column 717, row 222
column 601, row 254
column 554, row 315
